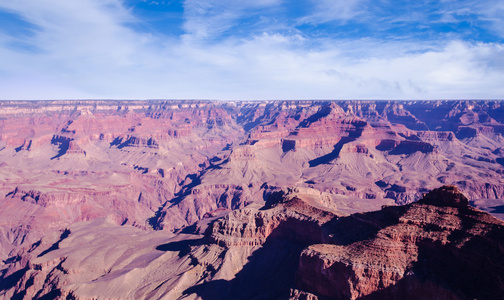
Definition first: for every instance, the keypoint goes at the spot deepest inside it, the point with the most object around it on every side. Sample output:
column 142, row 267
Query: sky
column 251, row 50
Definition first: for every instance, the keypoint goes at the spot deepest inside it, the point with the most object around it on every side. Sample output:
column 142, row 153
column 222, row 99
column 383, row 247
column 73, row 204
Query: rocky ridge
column 438, row 247
column 170, row 165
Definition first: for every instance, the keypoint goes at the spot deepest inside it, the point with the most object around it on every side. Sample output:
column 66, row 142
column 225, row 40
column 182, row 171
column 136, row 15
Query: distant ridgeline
column 171, row 170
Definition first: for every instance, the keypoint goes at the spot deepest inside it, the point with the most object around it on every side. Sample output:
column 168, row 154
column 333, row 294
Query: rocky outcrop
column 397, row 147
column 446, row 196
column 173, row 165
column 25, row 146
column 55, row 262
column 291, row 219
column 132, row 141
column 429, row 249
column 436, row 248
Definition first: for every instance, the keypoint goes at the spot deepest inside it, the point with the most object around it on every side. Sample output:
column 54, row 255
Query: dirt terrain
column 197, row 199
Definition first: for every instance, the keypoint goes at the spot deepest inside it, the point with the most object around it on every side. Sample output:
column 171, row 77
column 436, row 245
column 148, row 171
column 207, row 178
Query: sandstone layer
column 436, row 248
column 177, row 166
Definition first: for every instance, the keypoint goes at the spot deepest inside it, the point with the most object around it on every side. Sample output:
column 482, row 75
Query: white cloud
column 488, row 13
column 78, row 42
column 493, row 12
column 210, row 18
column 86, row 50
column 334, row 10
column 83, row 30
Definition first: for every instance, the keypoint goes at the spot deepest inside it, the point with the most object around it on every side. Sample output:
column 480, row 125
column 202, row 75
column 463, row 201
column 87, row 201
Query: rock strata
column 435, row 248
column 184, row 166
column 432, row 249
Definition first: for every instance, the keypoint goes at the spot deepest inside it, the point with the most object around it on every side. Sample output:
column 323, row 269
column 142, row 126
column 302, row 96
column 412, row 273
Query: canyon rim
column 196, row 199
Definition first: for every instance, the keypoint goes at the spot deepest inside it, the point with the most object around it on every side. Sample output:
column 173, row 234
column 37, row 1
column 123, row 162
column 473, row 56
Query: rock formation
column 181, row 167
column 436, row 248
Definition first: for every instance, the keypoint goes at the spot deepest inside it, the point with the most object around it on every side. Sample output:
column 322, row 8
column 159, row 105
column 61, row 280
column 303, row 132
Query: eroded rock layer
column 436, row 248
column 178, row 165
column 291, row 248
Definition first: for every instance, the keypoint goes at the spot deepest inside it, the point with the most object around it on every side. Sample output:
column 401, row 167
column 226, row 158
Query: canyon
column 197, row 199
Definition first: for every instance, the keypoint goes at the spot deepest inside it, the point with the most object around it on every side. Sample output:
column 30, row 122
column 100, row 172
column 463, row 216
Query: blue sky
column 262, row 49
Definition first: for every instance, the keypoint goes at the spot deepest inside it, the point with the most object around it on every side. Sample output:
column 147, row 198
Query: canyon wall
column 172, row 166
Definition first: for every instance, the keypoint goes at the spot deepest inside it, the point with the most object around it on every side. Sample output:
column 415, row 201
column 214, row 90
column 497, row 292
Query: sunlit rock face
column 431, row 249
column 233, row 174
column 291, row 248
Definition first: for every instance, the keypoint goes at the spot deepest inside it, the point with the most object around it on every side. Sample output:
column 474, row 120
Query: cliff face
column 436, row 248
column 170, row 165
column 215, row 259
column 65, row 162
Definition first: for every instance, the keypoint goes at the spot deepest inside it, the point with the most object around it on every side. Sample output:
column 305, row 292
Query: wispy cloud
column 493, row 12
column 88, row 49
column 210, row 18
column 76, row 41
column 334, row 10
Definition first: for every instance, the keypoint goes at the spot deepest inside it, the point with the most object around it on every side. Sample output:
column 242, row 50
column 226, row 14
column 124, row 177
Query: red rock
column 173, row 164
column 431, row 248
